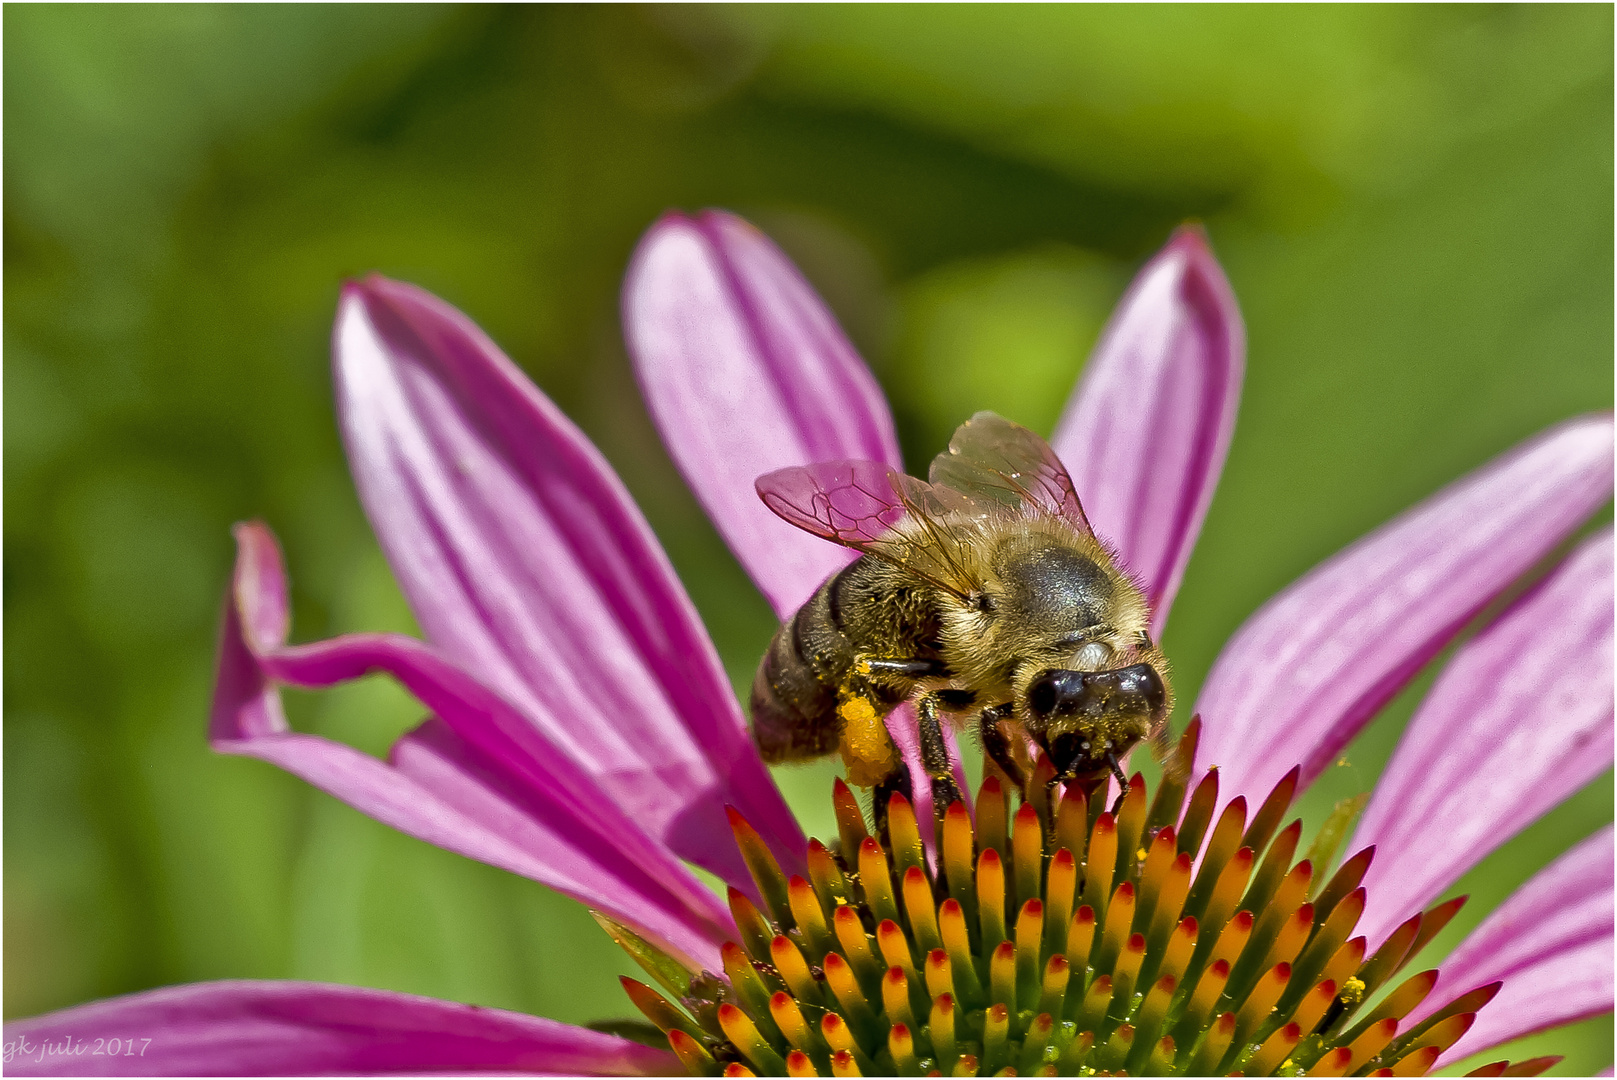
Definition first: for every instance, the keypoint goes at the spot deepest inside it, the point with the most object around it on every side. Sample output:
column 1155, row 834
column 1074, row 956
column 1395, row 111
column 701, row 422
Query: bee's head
column 1078, row 717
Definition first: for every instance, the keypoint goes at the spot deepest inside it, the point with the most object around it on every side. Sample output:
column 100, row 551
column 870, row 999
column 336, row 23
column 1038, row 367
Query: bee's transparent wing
column 993, row 460
column 849, row 502
column 875, row 509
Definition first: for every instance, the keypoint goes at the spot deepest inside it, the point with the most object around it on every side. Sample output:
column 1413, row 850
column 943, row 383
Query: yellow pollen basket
column 867, row 749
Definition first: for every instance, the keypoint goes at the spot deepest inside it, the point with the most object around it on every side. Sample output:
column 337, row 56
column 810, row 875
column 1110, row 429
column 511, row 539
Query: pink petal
column 526, row 562
column 745, row 371
column 1518, row 721
column 250, row 1028
column 1145, row 434
column 1306, row 672
column 1551, row 943
column 478, row 779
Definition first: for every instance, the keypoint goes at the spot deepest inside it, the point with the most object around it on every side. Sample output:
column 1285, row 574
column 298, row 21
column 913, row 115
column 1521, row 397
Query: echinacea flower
column 583, row 733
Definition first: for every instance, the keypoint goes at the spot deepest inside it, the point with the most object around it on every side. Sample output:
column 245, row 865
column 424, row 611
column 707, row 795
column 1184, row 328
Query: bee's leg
column 1122, row 781
column 935, row 755
column 901, row 669
column 997, row 745
column 1052, row 799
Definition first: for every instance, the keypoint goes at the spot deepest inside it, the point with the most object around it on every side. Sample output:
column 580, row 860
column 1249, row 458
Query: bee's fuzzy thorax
column 1028, row 613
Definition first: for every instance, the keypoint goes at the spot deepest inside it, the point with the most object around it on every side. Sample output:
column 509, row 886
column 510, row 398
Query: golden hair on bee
column 982, row 594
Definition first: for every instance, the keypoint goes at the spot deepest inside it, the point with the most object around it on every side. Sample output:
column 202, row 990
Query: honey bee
column 981, row 594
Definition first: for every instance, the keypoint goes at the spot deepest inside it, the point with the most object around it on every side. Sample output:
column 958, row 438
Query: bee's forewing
column 855, row 503
column 993, row 460
column 861, row 504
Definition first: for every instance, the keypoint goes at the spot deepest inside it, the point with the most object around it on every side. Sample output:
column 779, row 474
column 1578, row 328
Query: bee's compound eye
column 1092, row 657
column 1053, row 692
column 1041, row 697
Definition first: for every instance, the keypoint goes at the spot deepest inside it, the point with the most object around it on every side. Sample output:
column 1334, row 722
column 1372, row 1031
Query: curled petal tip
column 1190, row 236
column 714, row 216
column 358, row 286
column 259, row 588
column 377, row 288
column 673, row 217
column 477, row 779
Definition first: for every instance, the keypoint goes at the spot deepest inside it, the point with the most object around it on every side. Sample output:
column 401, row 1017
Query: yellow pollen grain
column 856, row 710
column 866, row 748
column 1352, row 991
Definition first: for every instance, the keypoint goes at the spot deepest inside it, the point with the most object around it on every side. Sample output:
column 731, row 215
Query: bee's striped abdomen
column 794, row 694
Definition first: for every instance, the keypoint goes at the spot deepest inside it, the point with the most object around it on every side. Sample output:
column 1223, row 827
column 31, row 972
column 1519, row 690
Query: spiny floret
column 1059, row 939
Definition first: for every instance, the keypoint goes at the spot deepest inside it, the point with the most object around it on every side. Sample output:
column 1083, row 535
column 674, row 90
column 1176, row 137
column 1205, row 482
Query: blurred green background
column 1414, row 205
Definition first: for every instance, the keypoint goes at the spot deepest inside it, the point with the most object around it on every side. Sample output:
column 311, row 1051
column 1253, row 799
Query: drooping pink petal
column 1306, row 672
column 478, row 779
column 263, row 1028
column 745, row 371
column 1551, row 943
column 525, row 561
column 1518, row 721
column 1145, row 433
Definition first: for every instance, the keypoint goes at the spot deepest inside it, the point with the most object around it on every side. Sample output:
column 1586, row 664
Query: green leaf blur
column 1413, row 203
